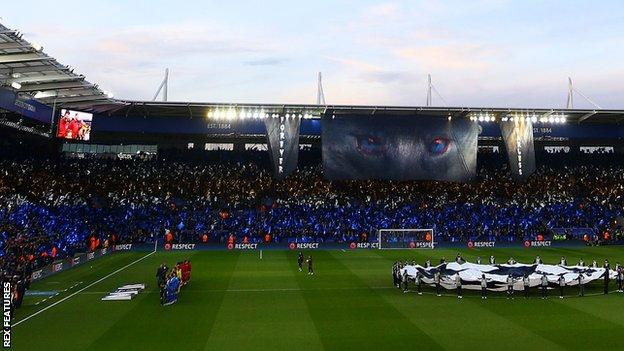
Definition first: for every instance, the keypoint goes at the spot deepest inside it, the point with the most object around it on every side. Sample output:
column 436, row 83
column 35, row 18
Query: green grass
column 237, row 302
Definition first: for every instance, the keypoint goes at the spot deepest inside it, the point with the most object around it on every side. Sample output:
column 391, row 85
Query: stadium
column 131, row 224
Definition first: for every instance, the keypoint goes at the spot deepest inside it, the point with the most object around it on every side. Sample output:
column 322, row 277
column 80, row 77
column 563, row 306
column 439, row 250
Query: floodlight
column 36, row 46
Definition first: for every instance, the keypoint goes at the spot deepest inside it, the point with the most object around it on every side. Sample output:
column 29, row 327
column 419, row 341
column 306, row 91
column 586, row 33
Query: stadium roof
column 27, row 69
column 196, row 109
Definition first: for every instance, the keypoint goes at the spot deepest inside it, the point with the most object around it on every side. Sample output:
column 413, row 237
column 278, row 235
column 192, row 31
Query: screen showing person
column 74, row 125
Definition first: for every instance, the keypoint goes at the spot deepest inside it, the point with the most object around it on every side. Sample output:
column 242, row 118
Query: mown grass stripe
column 360, row 319
column 553, row 320
column 184, row 325
column 263, row 302
column 88, row 286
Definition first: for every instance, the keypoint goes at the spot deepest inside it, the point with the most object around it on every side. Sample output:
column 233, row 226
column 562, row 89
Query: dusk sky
column 479, row 53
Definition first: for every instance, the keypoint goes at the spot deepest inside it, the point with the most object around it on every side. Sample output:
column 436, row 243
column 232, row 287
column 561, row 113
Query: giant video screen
column 399, row 148
column 74, row 125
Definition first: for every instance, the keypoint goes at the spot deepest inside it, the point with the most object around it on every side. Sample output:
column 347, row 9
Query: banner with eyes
column 399, row 147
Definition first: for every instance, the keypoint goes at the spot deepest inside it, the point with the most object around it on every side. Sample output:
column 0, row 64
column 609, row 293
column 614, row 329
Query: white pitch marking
column 448, row 294
column 83, row 289
column 258, row 290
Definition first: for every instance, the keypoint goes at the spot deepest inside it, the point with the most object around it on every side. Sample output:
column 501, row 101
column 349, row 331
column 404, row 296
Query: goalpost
column 405, row 239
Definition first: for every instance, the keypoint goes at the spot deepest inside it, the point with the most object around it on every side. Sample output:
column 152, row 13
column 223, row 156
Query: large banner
column 399, row 148
column 518, row 138
column 496, row 275
column 283, row 144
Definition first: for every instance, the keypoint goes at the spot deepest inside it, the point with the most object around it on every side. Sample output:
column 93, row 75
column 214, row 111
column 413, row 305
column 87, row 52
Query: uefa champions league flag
column 518, row 137
column 283, row 143
column 496, row 275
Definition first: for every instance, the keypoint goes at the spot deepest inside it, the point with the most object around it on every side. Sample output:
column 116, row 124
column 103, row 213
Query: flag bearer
column 458, row 285
column 544, row 286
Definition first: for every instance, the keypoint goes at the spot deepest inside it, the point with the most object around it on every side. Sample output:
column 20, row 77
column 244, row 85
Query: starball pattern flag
column 496, row 275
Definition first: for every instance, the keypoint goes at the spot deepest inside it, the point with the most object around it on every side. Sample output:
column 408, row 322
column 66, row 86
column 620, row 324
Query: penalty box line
column 83, row 289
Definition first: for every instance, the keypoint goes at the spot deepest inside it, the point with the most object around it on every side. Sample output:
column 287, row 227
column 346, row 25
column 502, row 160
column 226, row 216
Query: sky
column 484, row 53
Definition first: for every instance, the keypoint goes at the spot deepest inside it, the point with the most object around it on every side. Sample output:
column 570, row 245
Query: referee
column 310, row 268
column 300, row 261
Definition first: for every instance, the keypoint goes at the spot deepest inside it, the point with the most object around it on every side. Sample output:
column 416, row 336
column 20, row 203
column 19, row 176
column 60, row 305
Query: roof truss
column 24, row 67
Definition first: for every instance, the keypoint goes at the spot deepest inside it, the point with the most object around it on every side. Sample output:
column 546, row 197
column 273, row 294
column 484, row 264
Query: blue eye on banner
column 399, row 147
column 371, row 145
column 439, row 145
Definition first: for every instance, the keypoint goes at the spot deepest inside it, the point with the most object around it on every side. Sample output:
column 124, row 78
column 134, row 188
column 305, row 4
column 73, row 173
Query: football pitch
column 236, row 301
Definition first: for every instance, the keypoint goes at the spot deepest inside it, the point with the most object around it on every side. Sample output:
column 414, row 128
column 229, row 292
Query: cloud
column 371, row 73
column 383, row 11
column 354, row 63
column 171, row 41
column 268, row 61
column 130, row 60
column 390, row 77
column 464, row 56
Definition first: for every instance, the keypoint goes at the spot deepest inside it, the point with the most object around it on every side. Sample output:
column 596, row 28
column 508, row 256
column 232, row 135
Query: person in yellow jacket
column 178, row 273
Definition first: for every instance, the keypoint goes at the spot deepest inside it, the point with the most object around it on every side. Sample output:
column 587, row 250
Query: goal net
column 405, row 238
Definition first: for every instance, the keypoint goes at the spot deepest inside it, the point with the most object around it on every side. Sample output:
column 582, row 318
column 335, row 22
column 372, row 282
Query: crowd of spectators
column 54, row 206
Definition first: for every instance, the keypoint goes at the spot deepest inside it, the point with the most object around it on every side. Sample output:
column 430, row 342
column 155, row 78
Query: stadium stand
column 55, row 205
